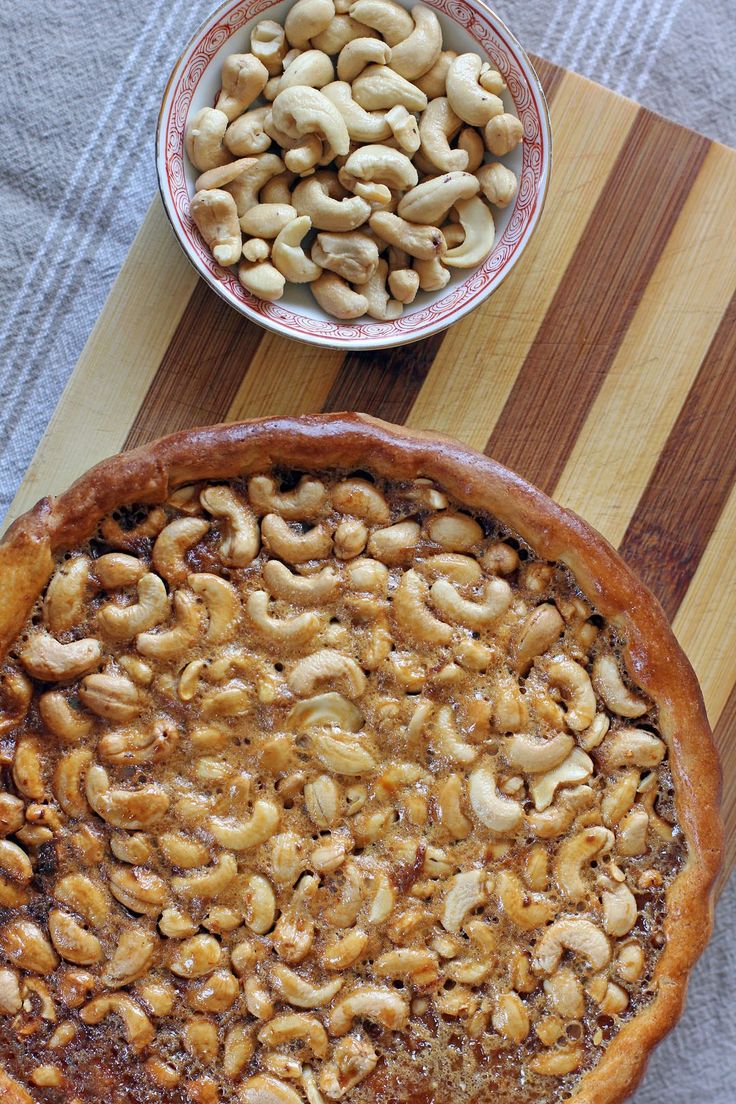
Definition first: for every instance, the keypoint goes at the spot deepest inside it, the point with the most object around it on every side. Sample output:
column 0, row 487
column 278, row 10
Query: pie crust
column 629, row 618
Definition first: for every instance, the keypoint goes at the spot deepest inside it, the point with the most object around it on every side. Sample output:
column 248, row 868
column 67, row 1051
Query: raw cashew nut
column 304, row 155
column 359, row 53
column 423, row 242
column 267, row 220
column 467, row 97
column 320, row 197
column 243, row 79
column 312, row 69
column 379, row 303
column 381, row 165
column 337, row 298
column 245, row 188
column 256, row 249
column 49, row 660
column 503, row 133
column 471, row 143
column 416, row 54
column 203, row 138
column 498, row 184
column 262, row 279
column 245, row 137
column 580, row 936
column 353, row 256
column 308, row 18
column 379, row 87
column 392, row 22
column 300, row 111
column 430, row 202
column 363, row 126
column 288, row 255
column 268, row 44
column 477, row 222
column 369, row 1002
column 500, row 814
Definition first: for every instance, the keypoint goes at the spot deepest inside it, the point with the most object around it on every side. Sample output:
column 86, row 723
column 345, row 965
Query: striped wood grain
column 600, row 369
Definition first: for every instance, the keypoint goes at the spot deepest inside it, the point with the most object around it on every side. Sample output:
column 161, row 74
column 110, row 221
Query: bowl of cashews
column 353, row 174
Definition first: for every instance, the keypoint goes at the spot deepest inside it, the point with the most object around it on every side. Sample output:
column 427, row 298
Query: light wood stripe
column 670, row 531
column 724, row 734
column 285, row 378
column 117, row 364
column 705, row 623
column 201, row 370
column 595, row 302
column 659, row 358
column 472, row 375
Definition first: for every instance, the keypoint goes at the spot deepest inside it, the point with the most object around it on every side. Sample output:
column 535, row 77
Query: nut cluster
column 365, row 160
column 300, row 777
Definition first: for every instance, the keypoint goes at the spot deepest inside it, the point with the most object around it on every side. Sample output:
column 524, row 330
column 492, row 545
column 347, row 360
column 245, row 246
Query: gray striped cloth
column 81, row 84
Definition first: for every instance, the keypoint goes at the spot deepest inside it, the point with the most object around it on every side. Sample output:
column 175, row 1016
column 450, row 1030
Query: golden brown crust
column 653, row 657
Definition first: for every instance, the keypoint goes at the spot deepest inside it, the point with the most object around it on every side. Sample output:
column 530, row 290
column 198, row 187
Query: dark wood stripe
column 549, row 74
column 384, row 384
column 693, row 477
column 201, row 371
column 596, row 299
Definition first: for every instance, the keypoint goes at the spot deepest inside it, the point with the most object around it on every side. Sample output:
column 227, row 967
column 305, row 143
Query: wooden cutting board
column 604, row 369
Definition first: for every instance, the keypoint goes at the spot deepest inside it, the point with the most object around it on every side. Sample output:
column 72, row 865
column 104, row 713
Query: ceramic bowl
column 467, row 25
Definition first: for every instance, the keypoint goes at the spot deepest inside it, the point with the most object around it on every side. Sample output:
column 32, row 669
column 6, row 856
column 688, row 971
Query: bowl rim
column 362, row 341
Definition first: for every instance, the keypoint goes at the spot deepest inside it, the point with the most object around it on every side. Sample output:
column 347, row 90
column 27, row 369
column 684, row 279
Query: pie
column 338, row 764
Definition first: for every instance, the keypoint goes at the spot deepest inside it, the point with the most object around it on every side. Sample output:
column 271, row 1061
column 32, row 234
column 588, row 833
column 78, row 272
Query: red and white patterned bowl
column 467, row 25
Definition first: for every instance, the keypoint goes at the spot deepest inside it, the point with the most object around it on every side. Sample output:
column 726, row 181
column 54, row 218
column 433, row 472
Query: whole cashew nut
column 437, row 125
column 243, row 79
column 392, row 22
column 245, row 188
column 318, row 197
column 301, row 111
column 404, row 284
column 467, row 97
column 477, row 222
column 288, row 255
column 267, row 220
column 470, row 142
column 354, row 256
column 429, row 202
column 575, row 934
column 342, row 30
column 49, row 660
column 404, row 128
column 416, row 54
column 499, row 184
column 424, row 242
column 204, row 136
column 380, row 87
column 433, row 275
column 382, row 165
column 382, row 1006
column 363, row 126
column 312, row 69
column 216, row 217
column 304, row 155
column 434, row 82
column 356, row 55
column 246, row 137
column 503, row 133
column 306, row 19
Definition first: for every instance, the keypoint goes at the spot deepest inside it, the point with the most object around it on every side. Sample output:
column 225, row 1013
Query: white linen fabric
column 81, row 82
